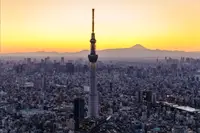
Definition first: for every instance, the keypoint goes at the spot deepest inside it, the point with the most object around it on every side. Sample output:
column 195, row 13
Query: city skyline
column 64, row 25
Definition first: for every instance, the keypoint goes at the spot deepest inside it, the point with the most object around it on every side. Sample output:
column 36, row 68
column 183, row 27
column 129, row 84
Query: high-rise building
column 79, row 105
column 43, row 85
column 179, row 129
column 111, row 86
column 93, row 96
column 62, row 61
column 138, row 127
column 34, row 61
column 70, row 68
column 153, row 98
column 47, row 60
column 147, row 96
column 198, row 130
column 140, row 96
column 28, row 61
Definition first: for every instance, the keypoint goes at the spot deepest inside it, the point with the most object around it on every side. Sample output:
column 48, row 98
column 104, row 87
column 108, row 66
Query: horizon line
column 43, row 51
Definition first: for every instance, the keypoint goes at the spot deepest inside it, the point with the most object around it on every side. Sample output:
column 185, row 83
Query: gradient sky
column 65, row 25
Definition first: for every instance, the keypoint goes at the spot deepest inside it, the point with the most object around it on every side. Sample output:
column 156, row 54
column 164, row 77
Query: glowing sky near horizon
column 65, row 25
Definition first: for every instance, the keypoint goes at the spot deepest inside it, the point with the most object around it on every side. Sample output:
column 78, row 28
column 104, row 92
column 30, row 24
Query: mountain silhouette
column 136, row 51
column 138, row 47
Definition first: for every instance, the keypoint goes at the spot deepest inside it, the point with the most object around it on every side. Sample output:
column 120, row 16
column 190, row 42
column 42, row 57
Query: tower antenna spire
column 93, row 20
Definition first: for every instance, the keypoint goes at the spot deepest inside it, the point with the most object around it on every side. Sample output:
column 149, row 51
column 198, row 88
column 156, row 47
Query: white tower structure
column 93, row 96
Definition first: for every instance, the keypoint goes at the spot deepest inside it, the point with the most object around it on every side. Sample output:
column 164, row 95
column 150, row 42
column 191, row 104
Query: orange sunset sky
column 65, row 25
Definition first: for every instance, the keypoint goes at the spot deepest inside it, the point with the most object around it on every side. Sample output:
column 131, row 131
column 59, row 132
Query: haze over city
column 88, row 66
column 65, row 25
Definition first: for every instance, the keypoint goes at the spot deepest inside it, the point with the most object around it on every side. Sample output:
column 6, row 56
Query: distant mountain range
column 137, row 51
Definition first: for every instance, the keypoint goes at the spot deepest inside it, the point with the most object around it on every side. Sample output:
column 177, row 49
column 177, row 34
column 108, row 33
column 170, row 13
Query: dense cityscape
column 159, row 96
column 48, row 95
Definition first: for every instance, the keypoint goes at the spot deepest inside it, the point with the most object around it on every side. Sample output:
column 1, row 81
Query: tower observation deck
column 93, row 96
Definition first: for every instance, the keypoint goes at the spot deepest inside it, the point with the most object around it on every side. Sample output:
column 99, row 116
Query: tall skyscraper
column 93, row 97
column 43, row 86
column 79, row 105
column 62, row 61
